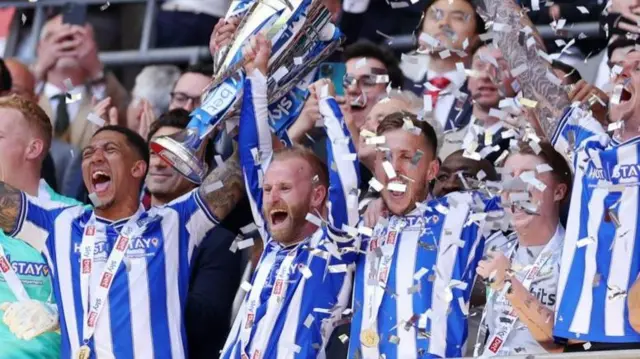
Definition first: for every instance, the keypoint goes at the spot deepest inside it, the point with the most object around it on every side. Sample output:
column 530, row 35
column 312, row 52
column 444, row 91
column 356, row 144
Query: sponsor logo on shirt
column 626, row 171
column 138, row 247
column 546, row 298
column 106, row 280
column 25, row 268
column 495, row 345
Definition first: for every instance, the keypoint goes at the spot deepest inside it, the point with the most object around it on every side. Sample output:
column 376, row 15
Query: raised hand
column 256, row 54
column 223, row 34
column 60, row 43
column 494, row 269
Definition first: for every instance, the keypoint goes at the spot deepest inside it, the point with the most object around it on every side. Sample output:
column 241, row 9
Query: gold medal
column 84, row 352
column 369, row 338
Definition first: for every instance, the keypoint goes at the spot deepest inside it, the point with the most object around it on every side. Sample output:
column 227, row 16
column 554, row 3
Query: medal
column 369, row 338
column 84, row 352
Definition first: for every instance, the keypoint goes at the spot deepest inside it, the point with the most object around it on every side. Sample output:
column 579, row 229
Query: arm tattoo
column 552, row 99
column 10, row 204
column 221, row 199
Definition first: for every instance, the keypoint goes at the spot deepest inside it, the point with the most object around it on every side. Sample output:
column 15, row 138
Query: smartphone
column 335, row 72
column 74, row 14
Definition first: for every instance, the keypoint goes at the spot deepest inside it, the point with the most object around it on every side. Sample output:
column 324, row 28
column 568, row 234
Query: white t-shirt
column 544, row 287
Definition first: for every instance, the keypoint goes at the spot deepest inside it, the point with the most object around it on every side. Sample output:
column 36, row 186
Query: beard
column 288, row 231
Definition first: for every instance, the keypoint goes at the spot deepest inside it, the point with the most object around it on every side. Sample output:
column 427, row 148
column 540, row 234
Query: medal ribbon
column 16, row 286
column 497, row 339
column 380, row 273
column 87, row 248
column 275, row 301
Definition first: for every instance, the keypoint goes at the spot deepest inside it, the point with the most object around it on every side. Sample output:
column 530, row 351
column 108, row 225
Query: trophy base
column 184, row 161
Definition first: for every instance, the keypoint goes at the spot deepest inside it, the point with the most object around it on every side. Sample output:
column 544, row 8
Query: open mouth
column 397, row 189
column 625, row 95
column 100, row 181
column 278, row 216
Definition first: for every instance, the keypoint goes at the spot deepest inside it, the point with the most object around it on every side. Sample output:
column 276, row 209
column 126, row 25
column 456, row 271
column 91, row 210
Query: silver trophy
column 301, row 37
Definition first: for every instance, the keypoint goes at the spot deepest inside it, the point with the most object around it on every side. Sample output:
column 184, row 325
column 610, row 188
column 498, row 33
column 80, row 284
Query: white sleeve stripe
column 347, row 170
column 582, row 323
column 205, row 208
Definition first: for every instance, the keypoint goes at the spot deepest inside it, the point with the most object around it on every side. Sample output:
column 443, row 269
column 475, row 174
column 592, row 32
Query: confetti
column 280, row 73
column 349, row 157
column 246, row 286
column 397, row 187
column 343, row 338
column 97, row 120
column 444, row 54
column 23, row 18
column 585, row 241
column 313, row 219
column 219, row 161
column 464, row 307
column 426, row 38
column 305, row 271
column 365, row 230
column 416, row 157
column 308, row 321
column 249, row 228
column 420, row 273
column 614, row 126
column 213, row 187
column 519, row 70
column 465, row 43
column 376, row 185
column 543, row 167
column 246, row 243
column 586, row 345
column 105, row 6
column 298, row 60
column 93, row 197
column 382, row 79
column 394, row 339
column 375, row 140
column 388, row 169
column 337, row 268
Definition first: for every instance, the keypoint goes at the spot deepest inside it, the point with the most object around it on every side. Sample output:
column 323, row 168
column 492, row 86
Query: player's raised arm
column 10, row 207
column 342, row 161
column 513, row 34
column 255, row 144
column 223, row 187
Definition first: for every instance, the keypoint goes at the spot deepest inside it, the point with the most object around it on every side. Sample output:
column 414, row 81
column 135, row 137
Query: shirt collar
column 456, row 77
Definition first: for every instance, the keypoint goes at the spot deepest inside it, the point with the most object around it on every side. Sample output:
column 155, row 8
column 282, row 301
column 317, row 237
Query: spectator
column 455, row 26
column 154, row 85
column 188, row 89
column 188, row 22
column 69, row 52
column 488, row 85
column 61, row 168
column 365, row 81
column 22, row 81
column 215, row 271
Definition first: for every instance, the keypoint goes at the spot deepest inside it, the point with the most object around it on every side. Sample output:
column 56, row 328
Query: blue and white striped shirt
column 318, row 273
column 143, row 318
column 423, row 312
column 601, row 255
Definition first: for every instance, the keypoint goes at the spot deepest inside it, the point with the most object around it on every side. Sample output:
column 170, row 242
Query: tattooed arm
column 537, row 317
column 10, row 207
column 633, row 302
column 552, row 99
column 223, row 188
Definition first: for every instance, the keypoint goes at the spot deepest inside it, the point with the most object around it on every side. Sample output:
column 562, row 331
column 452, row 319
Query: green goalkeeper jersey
column 31, row 268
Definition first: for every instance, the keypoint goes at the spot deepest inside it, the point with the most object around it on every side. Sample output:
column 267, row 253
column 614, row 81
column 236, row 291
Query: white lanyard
column 500, row 335
column 11, row 277
column 276, row 299
column 87, row 248
column 376, row 281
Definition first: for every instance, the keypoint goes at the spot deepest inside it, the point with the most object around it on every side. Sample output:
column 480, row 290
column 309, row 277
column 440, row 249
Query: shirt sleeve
column 194, row 214
column 344, row 171
column 255, row 144
column 36, row 220
column 576, row 129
